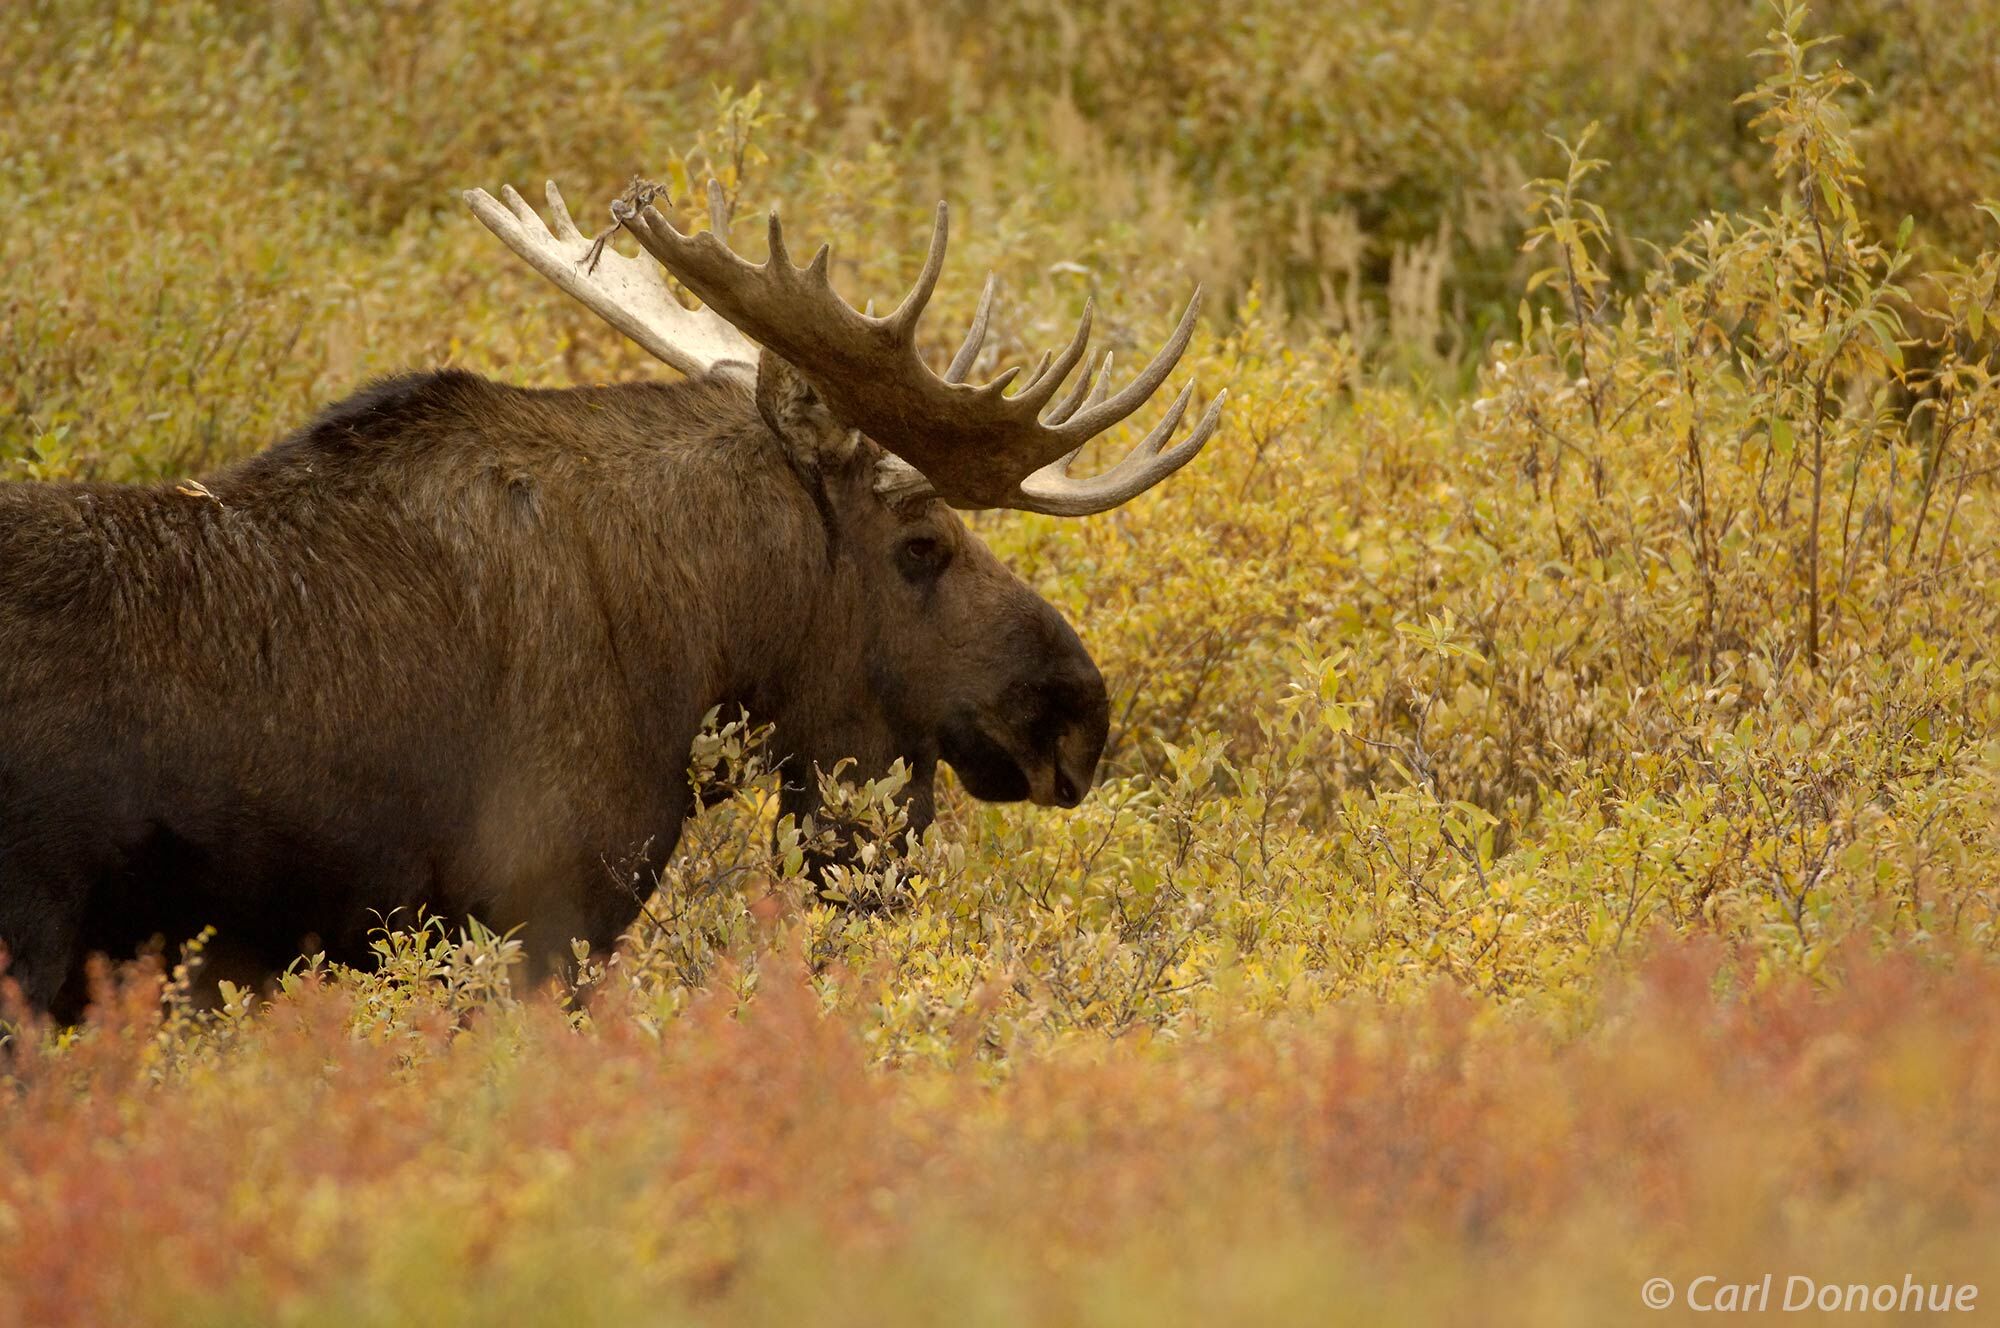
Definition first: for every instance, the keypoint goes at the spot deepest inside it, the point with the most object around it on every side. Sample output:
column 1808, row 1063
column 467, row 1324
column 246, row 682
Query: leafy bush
column 1436, row 710
column 307, row 1165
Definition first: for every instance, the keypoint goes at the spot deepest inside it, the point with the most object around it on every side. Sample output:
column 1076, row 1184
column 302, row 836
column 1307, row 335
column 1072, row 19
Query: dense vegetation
column 1553, row 820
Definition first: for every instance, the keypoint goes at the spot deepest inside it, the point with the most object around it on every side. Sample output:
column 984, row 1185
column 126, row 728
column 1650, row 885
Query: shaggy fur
column 446, row 648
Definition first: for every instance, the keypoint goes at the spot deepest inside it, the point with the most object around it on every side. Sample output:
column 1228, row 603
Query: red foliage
column 1706, row 1115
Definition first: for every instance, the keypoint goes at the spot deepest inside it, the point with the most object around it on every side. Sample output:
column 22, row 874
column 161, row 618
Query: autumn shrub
column 1360, row 164
column 1416, row 1164
column 1548, row 836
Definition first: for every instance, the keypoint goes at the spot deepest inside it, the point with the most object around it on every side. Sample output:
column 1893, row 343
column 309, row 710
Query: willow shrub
column 1675, row 625
column 1362, row 162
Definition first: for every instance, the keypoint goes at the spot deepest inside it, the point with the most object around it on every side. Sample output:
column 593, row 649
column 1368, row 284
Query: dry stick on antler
column 639, row 191
column 974, row 446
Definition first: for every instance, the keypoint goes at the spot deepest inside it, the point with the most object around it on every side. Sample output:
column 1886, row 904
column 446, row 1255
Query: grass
column 1550, row 835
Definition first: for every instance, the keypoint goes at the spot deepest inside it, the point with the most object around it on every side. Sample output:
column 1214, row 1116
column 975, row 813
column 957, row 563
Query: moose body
column 446, row 649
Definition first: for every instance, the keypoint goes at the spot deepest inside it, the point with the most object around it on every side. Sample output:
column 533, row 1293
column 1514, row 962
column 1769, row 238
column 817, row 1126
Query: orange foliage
column 314, row 1170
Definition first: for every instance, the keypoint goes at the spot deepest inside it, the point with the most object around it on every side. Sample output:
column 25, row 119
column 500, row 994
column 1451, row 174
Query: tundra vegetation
column 1551, row 823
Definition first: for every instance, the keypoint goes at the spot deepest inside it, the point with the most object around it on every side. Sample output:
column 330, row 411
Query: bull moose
column 446, row 647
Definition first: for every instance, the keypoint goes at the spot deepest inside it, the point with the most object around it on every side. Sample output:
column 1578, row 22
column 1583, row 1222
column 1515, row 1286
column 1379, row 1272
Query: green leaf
column 1781, row 437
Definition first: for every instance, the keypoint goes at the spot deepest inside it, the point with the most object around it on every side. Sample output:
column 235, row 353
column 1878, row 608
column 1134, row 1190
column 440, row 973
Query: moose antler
column 974, row 446
column 628, row 293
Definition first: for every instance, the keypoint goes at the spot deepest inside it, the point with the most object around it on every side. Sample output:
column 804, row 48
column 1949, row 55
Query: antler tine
column 1084, row 394
column 1044, row 384
column 780, row 258
column 1103, row 389
column 1104, row 414
column 997, row 384
column 1053, row 491
column 1156, row 438
column 1035, row 376
column 718, row 208
column 565, row 224
column 903, row 322
column 975, row 336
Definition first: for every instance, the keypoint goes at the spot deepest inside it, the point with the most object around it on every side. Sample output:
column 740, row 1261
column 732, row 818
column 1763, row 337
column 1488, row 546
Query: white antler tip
column 630, row 294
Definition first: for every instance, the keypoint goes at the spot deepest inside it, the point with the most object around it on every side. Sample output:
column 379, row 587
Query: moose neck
column 628, row 556
column 803, row 647
column 725, row 582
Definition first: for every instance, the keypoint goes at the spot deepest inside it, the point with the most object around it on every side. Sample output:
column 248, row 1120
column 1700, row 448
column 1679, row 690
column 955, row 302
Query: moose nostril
column 1066, row 793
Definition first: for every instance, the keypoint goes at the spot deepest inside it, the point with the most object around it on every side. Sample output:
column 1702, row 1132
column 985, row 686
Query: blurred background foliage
column 1597, row 560
column 1362, row 163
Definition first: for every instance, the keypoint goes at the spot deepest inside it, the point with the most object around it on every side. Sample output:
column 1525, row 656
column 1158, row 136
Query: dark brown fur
column 447, row 647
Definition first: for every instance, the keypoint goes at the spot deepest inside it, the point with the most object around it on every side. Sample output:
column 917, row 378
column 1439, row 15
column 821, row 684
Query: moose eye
column 921, row 558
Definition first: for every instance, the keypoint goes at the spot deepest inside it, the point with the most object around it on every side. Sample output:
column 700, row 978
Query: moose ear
column 812, row 437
